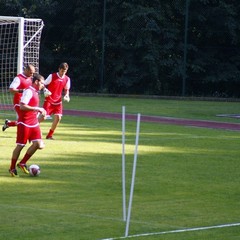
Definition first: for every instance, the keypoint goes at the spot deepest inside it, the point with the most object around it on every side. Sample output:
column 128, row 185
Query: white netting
column 19, row 45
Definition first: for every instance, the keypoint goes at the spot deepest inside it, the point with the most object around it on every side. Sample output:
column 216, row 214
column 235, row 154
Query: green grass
column 207, row 110
column 186, row 177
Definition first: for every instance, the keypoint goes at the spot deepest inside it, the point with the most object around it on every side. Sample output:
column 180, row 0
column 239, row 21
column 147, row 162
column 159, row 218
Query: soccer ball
column 34, row 170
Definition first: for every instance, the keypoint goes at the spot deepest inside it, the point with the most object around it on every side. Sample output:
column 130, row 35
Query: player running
column 56, row 83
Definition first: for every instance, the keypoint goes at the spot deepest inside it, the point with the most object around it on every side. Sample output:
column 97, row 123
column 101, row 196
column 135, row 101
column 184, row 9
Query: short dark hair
column 37, row 76
column 64, row 66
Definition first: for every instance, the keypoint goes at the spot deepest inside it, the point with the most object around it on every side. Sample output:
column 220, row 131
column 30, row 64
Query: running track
column 153, row 119
column 158, row 119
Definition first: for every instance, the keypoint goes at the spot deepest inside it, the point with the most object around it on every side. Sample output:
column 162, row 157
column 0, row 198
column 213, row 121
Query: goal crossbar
column 19, row 45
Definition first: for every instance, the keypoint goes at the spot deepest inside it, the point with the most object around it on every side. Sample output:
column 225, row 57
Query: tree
column 214, row 57
column 144, row 44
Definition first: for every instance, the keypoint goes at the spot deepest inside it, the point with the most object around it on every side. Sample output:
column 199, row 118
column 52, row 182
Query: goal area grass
column 186, row 177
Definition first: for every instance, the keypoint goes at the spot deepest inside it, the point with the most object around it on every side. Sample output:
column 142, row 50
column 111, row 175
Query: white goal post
column 19, row 45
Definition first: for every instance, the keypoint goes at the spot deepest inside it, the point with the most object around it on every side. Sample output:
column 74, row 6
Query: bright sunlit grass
column 186, row 177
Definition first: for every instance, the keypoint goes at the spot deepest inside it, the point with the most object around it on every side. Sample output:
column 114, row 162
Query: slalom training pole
column 123, row 165
column 133, row 175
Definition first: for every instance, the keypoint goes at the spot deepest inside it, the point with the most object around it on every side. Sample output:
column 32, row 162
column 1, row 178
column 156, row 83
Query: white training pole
column 123, row 165
column 133, row 175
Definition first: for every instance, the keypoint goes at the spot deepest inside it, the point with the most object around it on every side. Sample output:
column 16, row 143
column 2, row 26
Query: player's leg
column 30, row 151
column 57, row 111
column 49, row 110
column 15, row 155
column 21, row 141
column 8, row 123
column 56, row 120
column 34, row 136
column 5, row 125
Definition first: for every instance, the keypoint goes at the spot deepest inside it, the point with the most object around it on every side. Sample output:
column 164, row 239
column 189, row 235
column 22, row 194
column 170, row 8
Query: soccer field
column 186, row 185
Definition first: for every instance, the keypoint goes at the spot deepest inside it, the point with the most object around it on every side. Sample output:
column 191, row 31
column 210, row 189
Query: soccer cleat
column 13, row 172
column 49, row 138
column 5, row 125
column 23, row 167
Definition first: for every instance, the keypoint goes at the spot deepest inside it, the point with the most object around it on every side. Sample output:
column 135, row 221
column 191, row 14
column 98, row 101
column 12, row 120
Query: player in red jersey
column 19, row 83
column 28, row 128
column 56, row 83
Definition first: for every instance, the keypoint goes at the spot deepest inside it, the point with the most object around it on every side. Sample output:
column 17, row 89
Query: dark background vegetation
column 154, row 47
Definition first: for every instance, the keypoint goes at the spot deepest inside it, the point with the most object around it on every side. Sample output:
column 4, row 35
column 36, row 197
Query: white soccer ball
column 34, row 170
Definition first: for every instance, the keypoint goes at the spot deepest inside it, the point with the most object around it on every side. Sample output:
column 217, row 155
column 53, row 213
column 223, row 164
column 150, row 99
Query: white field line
column 177, row 231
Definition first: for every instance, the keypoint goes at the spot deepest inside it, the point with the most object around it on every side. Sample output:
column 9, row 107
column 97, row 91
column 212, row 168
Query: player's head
column 29, row 70
column 38, row 81
column 62, row 69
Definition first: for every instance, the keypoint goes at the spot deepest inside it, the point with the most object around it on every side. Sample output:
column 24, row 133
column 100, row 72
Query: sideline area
column 158, row 119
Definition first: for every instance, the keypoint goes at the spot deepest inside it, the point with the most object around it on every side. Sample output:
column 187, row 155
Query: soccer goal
column 19, row 45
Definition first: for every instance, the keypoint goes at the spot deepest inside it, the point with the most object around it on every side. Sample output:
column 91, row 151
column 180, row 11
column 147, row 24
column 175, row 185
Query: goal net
column 19, row 46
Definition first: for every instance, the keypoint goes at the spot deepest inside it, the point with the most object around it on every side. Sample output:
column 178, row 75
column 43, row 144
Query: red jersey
column 29, row 118
column 20, row 82
column 56, row 85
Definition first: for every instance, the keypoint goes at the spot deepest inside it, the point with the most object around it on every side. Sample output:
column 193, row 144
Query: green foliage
column 215, row 43
column 140, row 48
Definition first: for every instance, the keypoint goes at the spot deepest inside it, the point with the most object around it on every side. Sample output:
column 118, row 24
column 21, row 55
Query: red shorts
column 52, row 109
column 30, row 134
